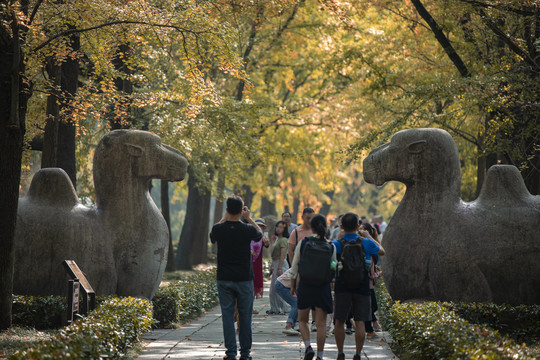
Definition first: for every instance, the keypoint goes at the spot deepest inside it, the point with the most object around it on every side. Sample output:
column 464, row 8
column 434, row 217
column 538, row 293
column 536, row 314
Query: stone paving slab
column 203, row 339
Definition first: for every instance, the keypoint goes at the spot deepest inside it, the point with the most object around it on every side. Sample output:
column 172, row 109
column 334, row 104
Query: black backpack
column 315, row 258
column 353, row 258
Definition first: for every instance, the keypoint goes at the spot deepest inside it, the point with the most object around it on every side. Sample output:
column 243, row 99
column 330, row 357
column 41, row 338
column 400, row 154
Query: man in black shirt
column 235, row 274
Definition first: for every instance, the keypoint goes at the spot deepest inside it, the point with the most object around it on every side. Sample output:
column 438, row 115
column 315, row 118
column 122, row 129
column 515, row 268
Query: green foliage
column 40, row 312
column 109, row 331
column 433, row 330
column 20, row 338
column 521, row 323
column 116, row 325
column 182, row 300
column 384, row 302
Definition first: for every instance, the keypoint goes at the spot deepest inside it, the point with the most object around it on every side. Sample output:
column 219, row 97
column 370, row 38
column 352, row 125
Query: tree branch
column 111, row 23
column 34, row 12
column 463, row 134
column 441, row 38
column 247, row 52
column 525, row 11
column 512, row 45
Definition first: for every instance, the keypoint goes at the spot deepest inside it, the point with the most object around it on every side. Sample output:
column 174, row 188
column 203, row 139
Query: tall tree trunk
column 295, row 210
column 125, row 86
column 480, row 173
column 195, row 223
column 247, row 195
column 66, row 128
column 199, row 254
column 531, row 175
column 59, row 137
column 14, row 93
column 325, row 209
column 166, row 212
column 50, row 138
column 286, row 209
column 268, row 207
column 218, row 208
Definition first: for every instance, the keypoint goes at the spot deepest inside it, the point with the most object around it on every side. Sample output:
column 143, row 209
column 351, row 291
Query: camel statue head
column 411, row 156
column 137, row 156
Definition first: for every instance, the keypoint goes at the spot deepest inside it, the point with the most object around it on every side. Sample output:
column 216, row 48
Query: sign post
column 76, row 286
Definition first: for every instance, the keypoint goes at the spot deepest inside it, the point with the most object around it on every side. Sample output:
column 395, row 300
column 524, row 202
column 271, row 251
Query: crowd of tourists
column 326, row 271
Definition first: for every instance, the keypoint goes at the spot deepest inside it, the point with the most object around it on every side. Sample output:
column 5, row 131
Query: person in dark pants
column 373, row 325
column 235, row 274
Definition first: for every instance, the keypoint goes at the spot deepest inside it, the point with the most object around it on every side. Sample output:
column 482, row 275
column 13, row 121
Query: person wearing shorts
column 358, row 299
column 318, row 297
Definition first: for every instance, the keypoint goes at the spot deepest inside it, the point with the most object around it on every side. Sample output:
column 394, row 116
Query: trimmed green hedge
column 117, row 324
column 433, row 330
column 109, row 331
column 184, row 300
column 521, row 323
column 40, row 312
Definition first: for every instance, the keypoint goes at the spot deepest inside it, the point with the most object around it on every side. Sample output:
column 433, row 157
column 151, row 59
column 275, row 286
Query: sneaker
column 313, row 327
column 340, row 357
column 309, row 354
column 349, row 331
column 270, row 312
column 291, row 332
column 356, row 357
column 371, row 334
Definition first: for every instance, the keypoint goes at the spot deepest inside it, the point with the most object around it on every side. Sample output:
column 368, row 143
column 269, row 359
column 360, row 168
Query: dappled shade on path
column 203, row 339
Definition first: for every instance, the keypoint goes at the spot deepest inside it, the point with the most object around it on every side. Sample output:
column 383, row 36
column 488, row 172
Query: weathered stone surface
column 439, row 247
column 121, row 244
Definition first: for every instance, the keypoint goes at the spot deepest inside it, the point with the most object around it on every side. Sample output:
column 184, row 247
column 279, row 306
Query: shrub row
column 109, row 331
column 184, row 300
column 521, row 323
column 40, row 312
column 433, row 330
column 117, row 323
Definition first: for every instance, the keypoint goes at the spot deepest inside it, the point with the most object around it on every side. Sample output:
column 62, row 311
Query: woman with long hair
column 278, row 267
column 373, row 325
column 257, row 257
column 313, row 294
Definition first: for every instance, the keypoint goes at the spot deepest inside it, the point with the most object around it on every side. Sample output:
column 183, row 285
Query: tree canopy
column 277, row 100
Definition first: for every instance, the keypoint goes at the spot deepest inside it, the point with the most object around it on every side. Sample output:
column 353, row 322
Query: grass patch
column 114, row 328
column 20, row 338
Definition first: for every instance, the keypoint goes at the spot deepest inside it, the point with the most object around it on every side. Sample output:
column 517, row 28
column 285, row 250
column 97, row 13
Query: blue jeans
column 285, row 294
column 241, row 294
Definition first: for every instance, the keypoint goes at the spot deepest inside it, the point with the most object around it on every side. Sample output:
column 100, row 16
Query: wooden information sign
column 77, row 286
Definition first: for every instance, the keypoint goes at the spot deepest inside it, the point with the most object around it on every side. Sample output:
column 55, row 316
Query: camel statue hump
column 471, row 248
column 52, row 186
column 504, row 186
column 121, row 243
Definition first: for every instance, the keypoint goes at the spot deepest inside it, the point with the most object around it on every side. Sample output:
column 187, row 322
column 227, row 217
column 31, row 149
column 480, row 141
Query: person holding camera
column 235, row 274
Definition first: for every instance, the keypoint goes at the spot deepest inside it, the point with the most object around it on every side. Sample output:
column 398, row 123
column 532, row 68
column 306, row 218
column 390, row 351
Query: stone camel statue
column 439, row 247
column 121, row 244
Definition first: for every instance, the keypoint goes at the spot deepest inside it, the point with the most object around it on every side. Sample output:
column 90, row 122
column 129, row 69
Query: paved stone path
column 203, row 339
